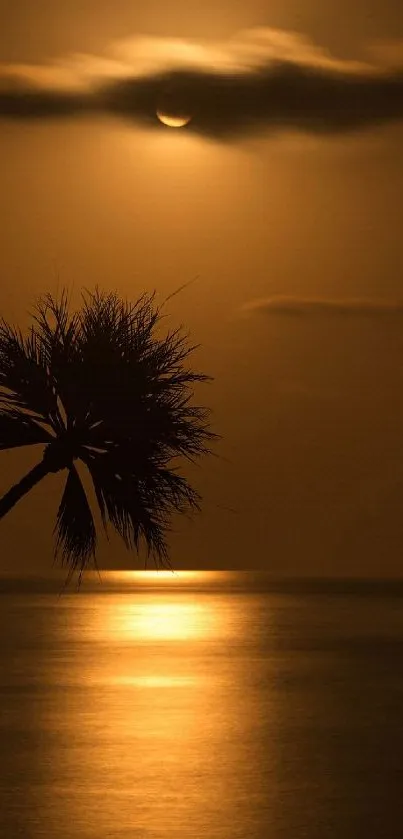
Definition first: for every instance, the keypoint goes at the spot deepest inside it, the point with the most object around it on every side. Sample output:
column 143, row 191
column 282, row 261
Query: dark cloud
column 28, row 103
column 317, row 307
column 317, row 97
column 280, row 96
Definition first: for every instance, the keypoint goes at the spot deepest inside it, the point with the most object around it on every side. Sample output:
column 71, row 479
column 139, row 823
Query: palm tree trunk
column 23, row 487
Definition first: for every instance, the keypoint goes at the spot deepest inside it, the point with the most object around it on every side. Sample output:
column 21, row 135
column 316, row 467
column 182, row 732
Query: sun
column 173, row 120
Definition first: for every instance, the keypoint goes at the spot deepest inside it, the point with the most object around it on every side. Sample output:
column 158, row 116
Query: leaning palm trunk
column 101, row 386
column 8, row 501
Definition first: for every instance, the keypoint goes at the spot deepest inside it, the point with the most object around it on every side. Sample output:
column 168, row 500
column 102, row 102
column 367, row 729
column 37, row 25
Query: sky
column 282, row 199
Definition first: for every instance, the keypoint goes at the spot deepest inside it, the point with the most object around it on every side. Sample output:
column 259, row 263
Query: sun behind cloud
column 173, row 120
column 261, row 80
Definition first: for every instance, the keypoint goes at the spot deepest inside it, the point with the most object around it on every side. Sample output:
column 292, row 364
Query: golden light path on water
column 159, row 610
column 163, row 616
column 152, row 681
column 144, row 673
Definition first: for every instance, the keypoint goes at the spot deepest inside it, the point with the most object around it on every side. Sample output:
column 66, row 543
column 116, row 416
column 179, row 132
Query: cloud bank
column 260, row 80
column 303, row 307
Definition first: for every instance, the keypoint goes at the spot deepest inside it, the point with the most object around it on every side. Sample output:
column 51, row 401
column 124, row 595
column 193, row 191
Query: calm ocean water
column 217, row 706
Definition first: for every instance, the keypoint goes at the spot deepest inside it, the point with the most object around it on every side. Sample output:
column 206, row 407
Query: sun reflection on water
column 157, row 619
column 164, row 577
column 154, row 705
column 148, row 626
column 137, row 607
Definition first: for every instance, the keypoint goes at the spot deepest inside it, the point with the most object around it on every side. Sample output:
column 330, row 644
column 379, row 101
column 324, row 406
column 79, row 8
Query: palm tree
column 102, row 386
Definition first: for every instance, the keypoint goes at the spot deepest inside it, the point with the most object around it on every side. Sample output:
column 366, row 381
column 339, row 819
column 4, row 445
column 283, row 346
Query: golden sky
column 293, row 230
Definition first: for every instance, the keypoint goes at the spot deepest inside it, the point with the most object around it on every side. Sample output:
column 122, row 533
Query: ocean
column 215, row 705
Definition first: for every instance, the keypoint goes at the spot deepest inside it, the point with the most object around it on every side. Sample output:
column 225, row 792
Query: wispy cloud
column 302, row 307
column 259, row 80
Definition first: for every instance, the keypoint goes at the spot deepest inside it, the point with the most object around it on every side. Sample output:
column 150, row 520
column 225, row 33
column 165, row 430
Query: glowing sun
column 173, row 120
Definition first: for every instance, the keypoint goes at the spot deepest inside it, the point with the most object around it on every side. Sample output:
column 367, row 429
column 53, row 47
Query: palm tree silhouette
column 100, row 385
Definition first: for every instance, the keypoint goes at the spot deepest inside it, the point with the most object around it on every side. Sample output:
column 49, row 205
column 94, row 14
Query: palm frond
column 75, row 528
column 116, row 371
column 56, row 331
column 129, row 376
column 106, row 385
column 140, row 501
column 25, row 382
column 18, row 429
